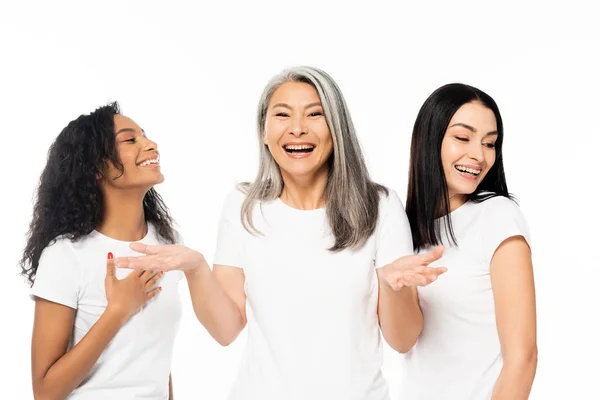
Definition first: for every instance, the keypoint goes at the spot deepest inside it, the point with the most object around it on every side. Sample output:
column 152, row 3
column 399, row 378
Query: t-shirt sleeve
column 393, row 235
column 230, row 232
column 504, row 219
column 58, row 278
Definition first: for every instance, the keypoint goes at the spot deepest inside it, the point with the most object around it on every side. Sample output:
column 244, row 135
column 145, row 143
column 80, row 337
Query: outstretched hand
column 412, row 270
column 162, row 258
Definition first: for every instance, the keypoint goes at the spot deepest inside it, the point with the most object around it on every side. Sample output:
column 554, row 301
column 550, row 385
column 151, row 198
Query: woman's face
column 296, row 131
column 468, row 148
column 139, row 156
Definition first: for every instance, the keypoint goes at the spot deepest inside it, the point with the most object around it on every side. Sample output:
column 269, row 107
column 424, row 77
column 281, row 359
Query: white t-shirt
column 458, row 356
column 313, row 330
column 137, row 362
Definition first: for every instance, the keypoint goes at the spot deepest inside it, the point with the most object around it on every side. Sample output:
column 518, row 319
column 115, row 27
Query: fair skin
column 469, row 143
column 300, row 142
column 56, row 372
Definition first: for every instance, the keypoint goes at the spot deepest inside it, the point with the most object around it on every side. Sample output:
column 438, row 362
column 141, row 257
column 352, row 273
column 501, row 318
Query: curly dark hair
column 69, row 201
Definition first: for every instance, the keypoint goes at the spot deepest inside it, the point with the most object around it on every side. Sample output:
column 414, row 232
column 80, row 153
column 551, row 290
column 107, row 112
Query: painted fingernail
column 159, row 288
column 110, row 255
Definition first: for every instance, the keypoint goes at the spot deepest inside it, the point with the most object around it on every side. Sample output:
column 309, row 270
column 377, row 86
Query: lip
column 157, row 165
column 466, row 175
column 299, row 155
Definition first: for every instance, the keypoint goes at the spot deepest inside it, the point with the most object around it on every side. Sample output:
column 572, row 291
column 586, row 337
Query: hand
column 127, row 296
column 163, row 258
column 412, row 270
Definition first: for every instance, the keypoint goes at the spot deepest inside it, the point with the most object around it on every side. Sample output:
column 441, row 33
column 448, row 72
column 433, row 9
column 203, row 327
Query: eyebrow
column 469, row 127
column 127, row 130
column 316, row 103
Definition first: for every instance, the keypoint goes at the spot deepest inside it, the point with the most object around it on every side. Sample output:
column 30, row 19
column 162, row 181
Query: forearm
column 516, row 379
column 400, row 317
column 213, row 307
column 67, row 373
column 171, row 388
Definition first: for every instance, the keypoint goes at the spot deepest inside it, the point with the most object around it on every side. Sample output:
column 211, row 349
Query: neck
column 123, row 215
column 456, row 200
column 305, row 193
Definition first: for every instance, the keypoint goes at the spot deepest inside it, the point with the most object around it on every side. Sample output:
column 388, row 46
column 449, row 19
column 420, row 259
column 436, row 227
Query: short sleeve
column 393, row 235
column 230, row 232
column 503, row 219
column 58, row 277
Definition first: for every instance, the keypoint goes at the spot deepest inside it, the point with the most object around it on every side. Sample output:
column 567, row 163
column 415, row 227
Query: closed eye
column 281, row 114
column 132, row 140
column 462, row 139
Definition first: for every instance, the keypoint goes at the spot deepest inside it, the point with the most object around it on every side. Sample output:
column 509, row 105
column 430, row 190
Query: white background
column 190, row 74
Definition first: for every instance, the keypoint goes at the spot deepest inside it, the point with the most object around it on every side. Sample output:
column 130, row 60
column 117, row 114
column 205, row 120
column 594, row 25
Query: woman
column 479, row 336
column 100, row 334
column 299, row 254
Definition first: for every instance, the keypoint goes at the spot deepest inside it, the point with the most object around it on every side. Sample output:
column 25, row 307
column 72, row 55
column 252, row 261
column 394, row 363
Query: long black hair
column 427, row 186
column 69, row 201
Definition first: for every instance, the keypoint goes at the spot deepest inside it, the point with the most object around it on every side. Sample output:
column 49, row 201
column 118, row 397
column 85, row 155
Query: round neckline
column 148, row 232
column 298, row 210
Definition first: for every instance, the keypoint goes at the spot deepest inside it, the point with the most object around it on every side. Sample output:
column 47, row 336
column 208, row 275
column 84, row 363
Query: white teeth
column 469, row 170
column 299, row 146
column 148, row 162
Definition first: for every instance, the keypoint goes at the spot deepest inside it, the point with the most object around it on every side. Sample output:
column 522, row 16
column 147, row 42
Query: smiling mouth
column 299, row 148
column 154, row 162
column 465, row 170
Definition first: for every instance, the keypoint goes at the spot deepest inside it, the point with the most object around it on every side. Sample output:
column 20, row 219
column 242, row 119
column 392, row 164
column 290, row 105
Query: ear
column 264, row 137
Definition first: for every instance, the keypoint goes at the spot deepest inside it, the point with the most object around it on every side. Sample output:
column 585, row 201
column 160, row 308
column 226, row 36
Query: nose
column 476, row 151
column 150, row 145
column 298, row 126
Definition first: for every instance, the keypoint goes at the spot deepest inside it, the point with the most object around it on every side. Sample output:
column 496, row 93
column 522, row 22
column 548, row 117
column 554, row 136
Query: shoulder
column 500, row 208
column 59, row 248
column 389, row 200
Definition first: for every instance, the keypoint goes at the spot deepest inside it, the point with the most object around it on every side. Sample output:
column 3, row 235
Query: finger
column 151, row 282
column 432, row 256
column 145, row 249
column 110, row 267
column 142, row 262
column 145, row 275
column 153, row 293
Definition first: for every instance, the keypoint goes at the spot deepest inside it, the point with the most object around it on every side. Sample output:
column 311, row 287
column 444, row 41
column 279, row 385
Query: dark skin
column 56, row 372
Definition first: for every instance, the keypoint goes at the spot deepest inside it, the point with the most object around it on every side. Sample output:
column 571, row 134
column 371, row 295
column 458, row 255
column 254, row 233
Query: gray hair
column 352, row 199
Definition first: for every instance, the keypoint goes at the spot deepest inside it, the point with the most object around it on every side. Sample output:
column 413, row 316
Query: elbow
column 524, row 359
column 402, row 344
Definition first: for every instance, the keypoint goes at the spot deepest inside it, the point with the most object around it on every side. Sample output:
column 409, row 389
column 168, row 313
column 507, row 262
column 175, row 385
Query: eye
column 462, row 139
column 281, row 114
column 490, row 145
column 315, row 114
column 132, row 140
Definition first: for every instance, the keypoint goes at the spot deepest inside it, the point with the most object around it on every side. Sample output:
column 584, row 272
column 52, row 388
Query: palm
column 412, row 270
column 163, row 258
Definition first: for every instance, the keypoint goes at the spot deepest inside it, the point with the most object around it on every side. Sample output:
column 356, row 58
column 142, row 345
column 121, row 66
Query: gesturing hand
column 163, row 258
column 127, row 296
column 412, row 270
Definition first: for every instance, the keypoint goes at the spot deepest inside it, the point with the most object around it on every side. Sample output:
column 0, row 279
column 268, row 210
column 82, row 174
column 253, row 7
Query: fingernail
column 159, row 288
column 110, row 255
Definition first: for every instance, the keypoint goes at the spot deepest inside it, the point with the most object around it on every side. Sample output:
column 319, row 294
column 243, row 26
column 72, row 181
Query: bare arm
column 514, row 297
column 171, row 388
column 400, row 316
column 399, row 312
column 56, row 372
column 218, row 296
column 219, row 300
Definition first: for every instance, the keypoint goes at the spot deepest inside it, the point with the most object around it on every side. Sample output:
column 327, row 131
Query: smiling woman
column 479, row 340
column 96, row 195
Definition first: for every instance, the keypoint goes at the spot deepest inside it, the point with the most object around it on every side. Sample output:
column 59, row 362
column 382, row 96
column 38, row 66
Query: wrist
column 116, row 314
column 200, row 268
